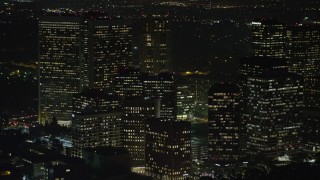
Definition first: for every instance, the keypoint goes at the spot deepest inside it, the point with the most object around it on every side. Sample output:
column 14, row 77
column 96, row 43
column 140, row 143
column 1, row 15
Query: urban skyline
column 164, row 90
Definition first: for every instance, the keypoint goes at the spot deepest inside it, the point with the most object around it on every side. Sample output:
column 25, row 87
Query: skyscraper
column 185, row 100
column 302, row 52
column 299, row 44
column 136, row 111
column 163, row 87
column 77, row 52
column 268, row 38
column 110, row 47
column 303, row 49
column 59, row 67
column 274, row 107
column 96, row 120
column 311, row 135
column 155, row 46
column 312, row 92
column 128, row 82
column 168, row 149
column 223, row 123
column 249, row 67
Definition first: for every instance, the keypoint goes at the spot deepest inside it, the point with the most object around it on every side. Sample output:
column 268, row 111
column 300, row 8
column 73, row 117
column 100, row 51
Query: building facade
column 109, row 48
column 168, row 149
column 253, row 66
column 128, row 82
column 186, row 97
column 223, row 123
column 311, row 134
column 274, row 104
column 268, row 38
column 136, row 111
column 59, row 67
column 77, row 52
column 162, row 87
column 303, row 49
column 155, row 46
column 96, row 121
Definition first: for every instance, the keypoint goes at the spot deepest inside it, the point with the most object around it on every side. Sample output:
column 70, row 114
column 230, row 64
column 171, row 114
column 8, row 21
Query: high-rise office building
column 185, row 101
column 96, row 120
column 155, row 47
column 311, row 135
column 192, row 96
column 268, row 38
column 253, row 66
column 303, row 49
column 136, row 111
column 128, row 82
column 168, row 149
column 274, row 107
column 109, row 48
column 299, row 44
column 257, row 65
column 59, row 67
column 303, row 57
column 163, row 87
column 311, row 92
column 223, row 123
column 77, row 52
